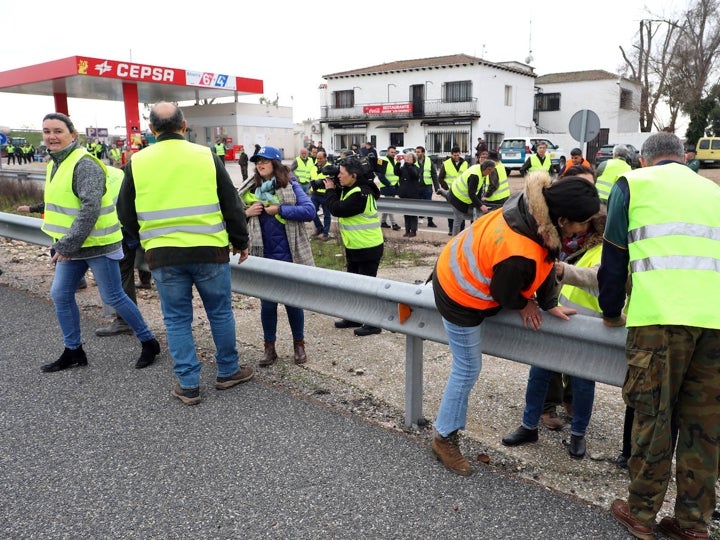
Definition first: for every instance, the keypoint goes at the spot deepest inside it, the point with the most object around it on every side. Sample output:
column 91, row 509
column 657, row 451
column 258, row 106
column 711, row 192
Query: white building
column 244, row 124
column 437, row 102
column 614, row 99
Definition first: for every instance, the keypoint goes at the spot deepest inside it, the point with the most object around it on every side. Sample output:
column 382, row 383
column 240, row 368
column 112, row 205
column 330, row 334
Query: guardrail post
column 413, row 381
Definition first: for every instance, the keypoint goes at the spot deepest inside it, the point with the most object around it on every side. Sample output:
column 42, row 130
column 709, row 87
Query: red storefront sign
column 391, row 108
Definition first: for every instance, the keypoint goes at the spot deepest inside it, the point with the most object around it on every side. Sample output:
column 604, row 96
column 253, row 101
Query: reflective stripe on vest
column 176, row 196
column 674, row 247
column 535, row 164
column 361, row 230
column 466, row 264
column 459, row 187
column 62, row 206
column 583, row 299
column 390, row 175
column 613, row 170
column 426, row 171
column 451, row 173
column 503, row 190
column 303, row 169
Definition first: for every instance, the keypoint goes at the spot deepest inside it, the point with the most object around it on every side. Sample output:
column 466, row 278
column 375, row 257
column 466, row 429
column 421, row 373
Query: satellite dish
column 529, row 58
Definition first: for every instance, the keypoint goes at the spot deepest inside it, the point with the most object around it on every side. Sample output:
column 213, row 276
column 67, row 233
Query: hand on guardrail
column 243, row 254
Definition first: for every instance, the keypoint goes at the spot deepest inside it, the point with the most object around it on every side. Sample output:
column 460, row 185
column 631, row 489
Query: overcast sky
column 290, row 46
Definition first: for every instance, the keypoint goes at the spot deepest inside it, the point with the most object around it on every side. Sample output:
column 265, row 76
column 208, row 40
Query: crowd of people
column 611, row 243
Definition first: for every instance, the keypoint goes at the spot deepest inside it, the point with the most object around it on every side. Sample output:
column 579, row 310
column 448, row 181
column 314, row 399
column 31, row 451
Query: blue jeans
column 212, row 281
column 582, row 400
column 320, row 201
column 107, row 276
column 465, row 346
column 268, row 318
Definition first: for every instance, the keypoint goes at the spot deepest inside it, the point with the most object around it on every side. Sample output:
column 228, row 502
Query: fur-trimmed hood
column 527, row 213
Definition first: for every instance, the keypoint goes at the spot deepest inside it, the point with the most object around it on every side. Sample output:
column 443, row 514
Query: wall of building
column 246, row 123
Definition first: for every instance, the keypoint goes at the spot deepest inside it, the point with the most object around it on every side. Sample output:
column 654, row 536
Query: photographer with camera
column 352, row 198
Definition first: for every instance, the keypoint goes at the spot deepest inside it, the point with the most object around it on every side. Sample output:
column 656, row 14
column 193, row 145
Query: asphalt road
column 106, row 452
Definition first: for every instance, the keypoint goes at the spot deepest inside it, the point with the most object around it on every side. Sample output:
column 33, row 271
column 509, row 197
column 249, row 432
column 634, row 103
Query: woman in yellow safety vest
column 355, row 206
column 80, row 218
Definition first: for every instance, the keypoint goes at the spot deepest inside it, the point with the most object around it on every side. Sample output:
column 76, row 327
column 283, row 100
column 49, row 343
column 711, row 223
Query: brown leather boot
column 270, row 355
column 447, row 450
column 299, row 346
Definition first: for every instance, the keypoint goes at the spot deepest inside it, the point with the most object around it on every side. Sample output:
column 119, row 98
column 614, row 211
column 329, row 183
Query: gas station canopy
column 112, row 80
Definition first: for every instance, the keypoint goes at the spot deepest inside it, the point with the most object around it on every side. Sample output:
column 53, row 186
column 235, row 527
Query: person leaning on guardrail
column 505, row 259
column 80, row 218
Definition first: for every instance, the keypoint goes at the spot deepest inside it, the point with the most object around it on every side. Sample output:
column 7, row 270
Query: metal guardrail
column 582, row 347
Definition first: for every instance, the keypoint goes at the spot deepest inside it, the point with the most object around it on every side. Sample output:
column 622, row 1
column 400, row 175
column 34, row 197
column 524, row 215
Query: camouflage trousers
column 673, row 371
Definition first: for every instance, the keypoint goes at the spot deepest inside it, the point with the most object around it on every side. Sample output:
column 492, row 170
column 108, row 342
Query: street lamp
column 388, row 89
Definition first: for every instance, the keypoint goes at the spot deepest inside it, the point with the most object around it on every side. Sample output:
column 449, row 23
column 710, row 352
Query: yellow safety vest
column 613, row 170
column 176, row 196
column 674, row 248
column 315, row 174
column 390, row 175
column 426, row 171
column 249, row 198
column 584, row 300
column 503, row 190
column 361, row 230
column 459, row 188
column 451, row 173
column 62, row 206
column 535, row 164
column 303, row 169
column 220, row 149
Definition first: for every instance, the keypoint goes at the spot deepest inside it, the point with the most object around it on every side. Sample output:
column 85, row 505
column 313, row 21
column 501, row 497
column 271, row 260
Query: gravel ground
column 365, row 377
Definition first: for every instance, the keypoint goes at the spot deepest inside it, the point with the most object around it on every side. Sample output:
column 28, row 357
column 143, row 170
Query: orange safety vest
column 465, row 266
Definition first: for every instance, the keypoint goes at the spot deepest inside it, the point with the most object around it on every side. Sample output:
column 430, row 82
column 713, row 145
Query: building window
column 344, row 99
column 456, row 92
column 493, row 140
column 508, row 95
column 547, row 102
column 442, row 143
column 626, row 99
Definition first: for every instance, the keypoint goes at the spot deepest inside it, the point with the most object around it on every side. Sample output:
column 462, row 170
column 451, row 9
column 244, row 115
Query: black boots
column 521, row 435
column 69, row 358
column 150, row 349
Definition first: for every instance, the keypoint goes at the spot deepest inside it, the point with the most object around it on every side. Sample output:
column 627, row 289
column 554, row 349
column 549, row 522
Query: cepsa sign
column 129, row 71
column 144, row 73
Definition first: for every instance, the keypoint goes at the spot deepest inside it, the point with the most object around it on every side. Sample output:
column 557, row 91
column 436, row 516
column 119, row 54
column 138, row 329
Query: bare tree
column 648, row 63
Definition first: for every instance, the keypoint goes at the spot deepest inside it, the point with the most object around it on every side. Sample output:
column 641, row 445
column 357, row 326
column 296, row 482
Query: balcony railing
column 420, row 110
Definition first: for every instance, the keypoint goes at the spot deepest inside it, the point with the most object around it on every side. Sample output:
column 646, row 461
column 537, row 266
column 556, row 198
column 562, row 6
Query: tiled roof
column 432, row 63
column 577, row 76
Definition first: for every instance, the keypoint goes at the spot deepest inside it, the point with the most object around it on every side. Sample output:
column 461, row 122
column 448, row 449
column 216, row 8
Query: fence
column 582, row 347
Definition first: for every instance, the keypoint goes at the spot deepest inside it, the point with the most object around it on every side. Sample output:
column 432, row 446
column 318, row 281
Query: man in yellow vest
column 10, row 151
column 610, row 170
column 673, row 344
column 388, row 174
column 451, row 170
column 538, row 161
column 302, row 169
column 466, row 192
column 180, row 202
column 220, row 150
column 496, row 186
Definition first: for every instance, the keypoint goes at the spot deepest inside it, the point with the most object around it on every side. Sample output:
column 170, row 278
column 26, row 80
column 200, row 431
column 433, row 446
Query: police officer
column 10, row 151
column 673, row 341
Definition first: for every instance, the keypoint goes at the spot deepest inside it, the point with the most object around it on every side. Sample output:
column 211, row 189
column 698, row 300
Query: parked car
column 401, row 151
column 605, row 152
column 708, row 151
column 515, row 150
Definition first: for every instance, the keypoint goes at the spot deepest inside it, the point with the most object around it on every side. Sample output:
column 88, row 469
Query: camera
column 329, row 171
